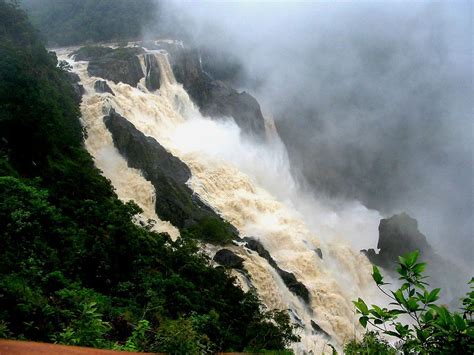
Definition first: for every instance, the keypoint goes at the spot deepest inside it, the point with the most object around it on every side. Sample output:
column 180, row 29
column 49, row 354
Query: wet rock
column 117, row 65
column 398, row 235
column 294, row 285
column 101, row 86
column 318, row 329
column 175, row 201
column 215, row 98
column 79, row 91
column 319, row 252
column 288, row 278
column 91, row 52
column 152, row 75
column 229, row 259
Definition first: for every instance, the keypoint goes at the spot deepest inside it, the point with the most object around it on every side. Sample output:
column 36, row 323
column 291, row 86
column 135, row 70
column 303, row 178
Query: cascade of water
column 128, row 182
column 251, row 186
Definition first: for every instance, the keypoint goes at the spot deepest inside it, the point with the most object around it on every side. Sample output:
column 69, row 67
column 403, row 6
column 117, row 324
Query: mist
column 372, row 100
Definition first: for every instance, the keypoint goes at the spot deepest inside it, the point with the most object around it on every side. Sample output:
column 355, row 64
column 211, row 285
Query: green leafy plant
column 87, row 329
column 432, row 328
column 371, row 344
column 138, row 339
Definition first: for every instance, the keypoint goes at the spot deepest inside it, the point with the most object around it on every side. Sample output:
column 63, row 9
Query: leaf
column 427, row 317
column 402, row 261
column 394, row 334
column 433, row 296
column 395, row 312
column 399, row 297
column 377, row 310
column 361, row 306
column 422, row 335
column 363, row 321
column 411, row 258
column 419, row 268
column 377, row 276
column 459, row 322
column 412, row 304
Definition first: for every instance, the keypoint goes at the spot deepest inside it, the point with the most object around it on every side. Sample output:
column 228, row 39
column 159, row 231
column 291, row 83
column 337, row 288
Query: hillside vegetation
column 74, row 267
column 68, row 22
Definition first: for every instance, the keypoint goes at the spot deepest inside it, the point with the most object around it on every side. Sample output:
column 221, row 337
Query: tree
column 432, row 329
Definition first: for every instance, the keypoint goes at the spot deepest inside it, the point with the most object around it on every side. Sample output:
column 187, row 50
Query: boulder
column 227, row 258
column 101, row 86
column 318, row 329
column 117, row 65
column 398, row 235
column 295, row 286
column 152, row 75
column 319, row 252
column 88, row 53
column 79, row 91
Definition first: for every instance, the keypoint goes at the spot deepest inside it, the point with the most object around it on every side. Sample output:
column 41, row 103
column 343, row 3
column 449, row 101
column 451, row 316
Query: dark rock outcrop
column 318, row 329
column 215, row 98
column 175, row 201
column 152, row 75
column 288, row 278
column 319, row 252
column 227, row 258
column 91, row 53
column 101, row 86
column 79, row 91
column 118, row 65
column 398, row 235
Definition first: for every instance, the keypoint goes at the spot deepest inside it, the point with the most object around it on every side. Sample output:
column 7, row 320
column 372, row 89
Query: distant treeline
column 69, row 22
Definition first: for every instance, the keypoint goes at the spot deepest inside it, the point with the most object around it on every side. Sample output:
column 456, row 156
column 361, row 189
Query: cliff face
column 117, row 65
column 175, row 201
column 215, row 98
column 399, row 235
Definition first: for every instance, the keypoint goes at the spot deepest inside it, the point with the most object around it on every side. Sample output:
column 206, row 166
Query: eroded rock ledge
column 175, row 201
column 215, row 98
column 399, row 235
column 117, row 65
column 288, row 278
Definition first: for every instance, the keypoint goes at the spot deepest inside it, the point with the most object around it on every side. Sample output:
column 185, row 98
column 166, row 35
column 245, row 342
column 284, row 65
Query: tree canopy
column 68, row 22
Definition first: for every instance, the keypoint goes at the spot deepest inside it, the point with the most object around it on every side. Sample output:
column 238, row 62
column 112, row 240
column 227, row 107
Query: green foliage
column 211, row 230
column 139, row 338
column 92, row 52
column 87, row 328
column 178, row 337
column 433, row 329
column 371, row 344
column 74, row 267
column 67, row 22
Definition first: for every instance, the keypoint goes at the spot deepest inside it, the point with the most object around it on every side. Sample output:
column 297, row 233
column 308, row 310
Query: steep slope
column 75, row 268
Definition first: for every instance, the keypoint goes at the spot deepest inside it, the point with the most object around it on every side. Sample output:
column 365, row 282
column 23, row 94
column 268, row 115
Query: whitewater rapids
column 250, row 185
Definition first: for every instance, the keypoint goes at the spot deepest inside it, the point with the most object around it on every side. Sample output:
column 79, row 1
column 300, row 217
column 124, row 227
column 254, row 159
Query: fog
column 372, row 99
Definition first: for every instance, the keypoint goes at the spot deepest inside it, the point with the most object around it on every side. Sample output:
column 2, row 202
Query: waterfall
column 249, row 184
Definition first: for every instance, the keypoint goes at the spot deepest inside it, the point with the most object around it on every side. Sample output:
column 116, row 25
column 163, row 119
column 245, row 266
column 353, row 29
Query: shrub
column 433, row 329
